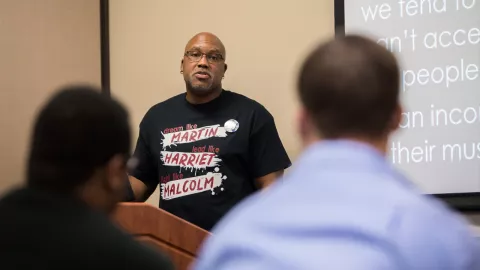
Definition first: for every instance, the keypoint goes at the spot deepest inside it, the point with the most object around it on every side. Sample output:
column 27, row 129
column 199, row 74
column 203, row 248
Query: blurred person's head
column 80, row 146
column 349, row 89
column 203, row 67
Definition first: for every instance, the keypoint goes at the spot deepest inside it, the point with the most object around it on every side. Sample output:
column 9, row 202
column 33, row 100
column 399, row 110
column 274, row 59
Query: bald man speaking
column 208, row 148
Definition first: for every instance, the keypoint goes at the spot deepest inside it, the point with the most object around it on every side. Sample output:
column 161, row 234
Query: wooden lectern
column 177, row 238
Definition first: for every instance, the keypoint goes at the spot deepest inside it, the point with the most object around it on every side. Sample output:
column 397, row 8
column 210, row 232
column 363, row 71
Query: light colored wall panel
column 43, row 45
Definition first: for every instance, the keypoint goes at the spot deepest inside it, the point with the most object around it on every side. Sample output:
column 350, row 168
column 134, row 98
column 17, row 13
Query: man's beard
column 200, row 90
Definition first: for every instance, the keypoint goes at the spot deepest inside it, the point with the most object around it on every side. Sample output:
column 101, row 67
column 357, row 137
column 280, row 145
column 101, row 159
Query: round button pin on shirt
column 231, row 125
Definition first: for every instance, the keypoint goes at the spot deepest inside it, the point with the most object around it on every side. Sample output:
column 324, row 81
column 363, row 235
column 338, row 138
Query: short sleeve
column 146, row 169
column 266, row 151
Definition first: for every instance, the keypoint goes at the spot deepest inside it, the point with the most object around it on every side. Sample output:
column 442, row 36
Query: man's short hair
column 78, row 131
column 350, row 87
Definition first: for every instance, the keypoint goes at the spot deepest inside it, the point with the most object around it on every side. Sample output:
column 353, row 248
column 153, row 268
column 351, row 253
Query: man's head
column 349, row 88
column 80, row 146
column 203, row 64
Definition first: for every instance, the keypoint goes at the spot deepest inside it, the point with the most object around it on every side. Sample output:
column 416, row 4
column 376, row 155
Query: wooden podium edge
column 161, row 226
column 163, row 243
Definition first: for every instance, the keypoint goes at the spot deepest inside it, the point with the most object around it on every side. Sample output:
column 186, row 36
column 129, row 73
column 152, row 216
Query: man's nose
column 203, row 62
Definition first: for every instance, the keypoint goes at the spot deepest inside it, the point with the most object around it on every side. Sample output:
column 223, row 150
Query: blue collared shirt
column 342, row 206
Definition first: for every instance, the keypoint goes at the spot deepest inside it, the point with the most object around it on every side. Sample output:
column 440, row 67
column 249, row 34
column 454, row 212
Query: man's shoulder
column 256, row 218
column 96, row 240
column 245, row 101
column 441, row 237
column 245, row 220
column 428, row 210
column 224, row 245
column 428, row 227
column 163, row 108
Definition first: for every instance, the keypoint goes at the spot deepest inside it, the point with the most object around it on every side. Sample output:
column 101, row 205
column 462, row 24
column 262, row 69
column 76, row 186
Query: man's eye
column 195, row 54
column 214, row 57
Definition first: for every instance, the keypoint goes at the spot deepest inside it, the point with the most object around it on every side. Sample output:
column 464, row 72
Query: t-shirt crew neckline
column 212, row 103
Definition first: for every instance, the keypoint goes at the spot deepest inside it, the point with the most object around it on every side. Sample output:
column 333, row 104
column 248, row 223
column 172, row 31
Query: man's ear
column 302, row 122
column 397, row 118
column 181, row 66
column 115, row 172
column 225, row 68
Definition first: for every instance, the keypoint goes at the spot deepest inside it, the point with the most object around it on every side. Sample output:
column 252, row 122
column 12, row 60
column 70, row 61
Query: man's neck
column 195, row 99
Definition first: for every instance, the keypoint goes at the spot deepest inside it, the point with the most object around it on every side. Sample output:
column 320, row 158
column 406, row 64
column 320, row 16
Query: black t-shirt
column 206, row 156
column 46, row 230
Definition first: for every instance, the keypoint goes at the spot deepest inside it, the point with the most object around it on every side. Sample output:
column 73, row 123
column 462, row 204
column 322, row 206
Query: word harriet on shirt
column 196, row 160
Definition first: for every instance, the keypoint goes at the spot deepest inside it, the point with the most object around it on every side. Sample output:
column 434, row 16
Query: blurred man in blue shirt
column 342, row 206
